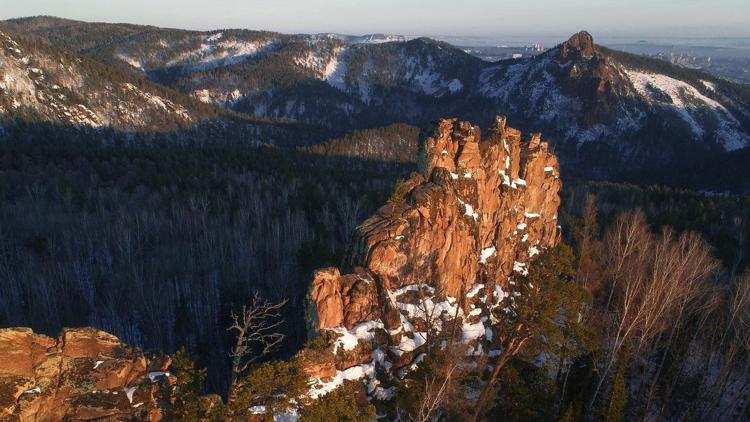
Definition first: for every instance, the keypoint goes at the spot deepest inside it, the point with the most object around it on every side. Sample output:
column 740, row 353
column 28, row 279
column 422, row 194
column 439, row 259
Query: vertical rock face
column 85, row 374
column 479, row 209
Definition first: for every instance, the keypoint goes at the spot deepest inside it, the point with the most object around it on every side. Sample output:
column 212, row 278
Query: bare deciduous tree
column 257, row 330
column 439, row 388
column 655, row 283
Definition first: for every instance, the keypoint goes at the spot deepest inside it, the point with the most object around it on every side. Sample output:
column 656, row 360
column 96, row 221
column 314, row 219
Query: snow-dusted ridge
column 691, row 106
column 59, row 89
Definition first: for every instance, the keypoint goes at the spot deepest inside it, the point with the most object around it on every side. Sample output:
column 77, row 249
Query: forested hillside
column 158, row 244
column 605, row 112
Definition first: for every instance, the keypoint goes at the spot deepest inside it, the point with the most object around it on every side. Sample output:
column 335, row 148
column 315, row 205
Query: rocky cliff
column 84, row 374
column 444, row 250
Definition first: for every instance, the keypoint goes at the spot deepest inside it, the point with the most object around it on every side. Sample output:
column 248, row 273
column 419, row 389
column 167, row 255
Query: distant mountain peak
column 580, row 44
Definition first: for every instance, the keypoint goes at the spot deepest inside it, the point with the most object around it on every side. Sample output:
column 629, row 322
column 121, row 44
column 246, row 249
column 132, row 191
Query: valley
column 255, row 225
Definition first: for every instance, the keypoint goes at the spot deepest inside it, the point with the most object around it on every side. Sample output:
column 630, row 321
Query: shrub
column 341, row 405
column 275, row 385
column 398, row 196
column 189, row 406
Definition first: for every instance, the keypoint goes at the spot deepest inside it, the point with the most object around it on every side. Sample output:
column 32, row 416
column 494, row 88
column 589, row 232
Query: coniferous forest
column 159, row 245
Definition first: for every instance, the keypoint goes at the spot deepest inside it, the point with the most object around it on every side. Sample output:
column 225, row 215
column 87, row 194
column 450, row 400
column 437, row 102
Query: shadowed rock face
column 481, row 207
column 84, row 374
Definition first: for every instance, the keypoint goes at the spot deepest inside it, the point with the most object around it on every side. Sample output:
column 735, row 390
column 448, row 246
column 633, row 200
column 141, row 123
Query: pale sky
column 607, row 18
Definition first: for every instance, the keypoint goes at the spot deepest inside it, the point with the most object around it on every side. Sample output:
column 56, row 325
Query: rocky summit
column 442, row 251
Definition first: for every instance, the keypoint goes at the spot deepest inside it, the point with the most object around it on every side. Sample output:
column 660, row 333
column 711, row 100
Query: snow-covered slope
column 366, row 39
column 57, row 87
column 608, row 106
column 193, row 51
column 687, row 102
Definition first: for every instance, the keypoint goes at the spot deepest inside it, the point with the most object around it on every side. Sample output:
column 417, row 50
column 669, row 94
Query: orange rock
column 479, row 205
column 326, row 296
column 85, row 374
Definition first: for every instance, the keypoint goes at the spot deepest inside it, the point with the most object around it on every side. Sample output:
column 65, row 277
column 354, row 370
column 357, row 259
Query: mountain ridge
column 605, row 112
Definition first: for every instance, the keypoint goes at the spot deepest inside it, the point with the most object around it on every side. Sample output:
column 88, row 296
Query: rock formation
column 447, row 244
column 580, row 45
column 85, row 374
column 444, row 251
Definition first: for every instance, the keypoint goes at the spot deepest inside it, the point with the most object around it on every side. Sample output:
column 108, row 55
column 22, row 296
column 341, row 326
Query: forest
column 161, row 244
column 158, row 244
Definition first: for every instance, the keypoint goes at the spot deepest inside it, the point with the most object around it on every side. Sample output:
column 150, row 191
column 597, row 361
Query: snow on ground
column 129, row 393
column 472, row 332
column 215, row 37
column 349, row 339
column 427, row 82
column 258, row 410
column 455, row 86
column 409, row 344
column 157, row 101
column 153, row 376
column 334, row 71
column 506, row 179
column 319, row 388
column 469, row 210
column 425, row 78
column 709, row 85
column 214, row 51
column 499, row 294
column 690, row 105
column 486, row 254
column 379, row 39
column 494, row 84
column 426, row 309
column 520, row 268
column 474, row 290
column 131, row 61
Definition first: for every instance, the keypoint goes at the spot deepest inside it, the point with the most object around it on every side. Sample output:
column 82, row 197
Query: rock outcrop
column 85, row 374
column 449, row 242
column 580, row 45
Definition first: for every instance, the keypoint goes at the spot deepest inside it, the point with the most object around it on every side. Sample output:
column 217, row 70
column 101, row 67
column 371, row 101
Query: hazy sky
column 606, row 18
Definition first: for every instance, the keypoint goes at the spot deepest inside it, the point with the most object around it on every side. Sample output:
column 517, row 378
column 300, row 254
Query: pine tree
column 273, row 385
column 189, row 406
column 341, row 405
column 618, row 398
